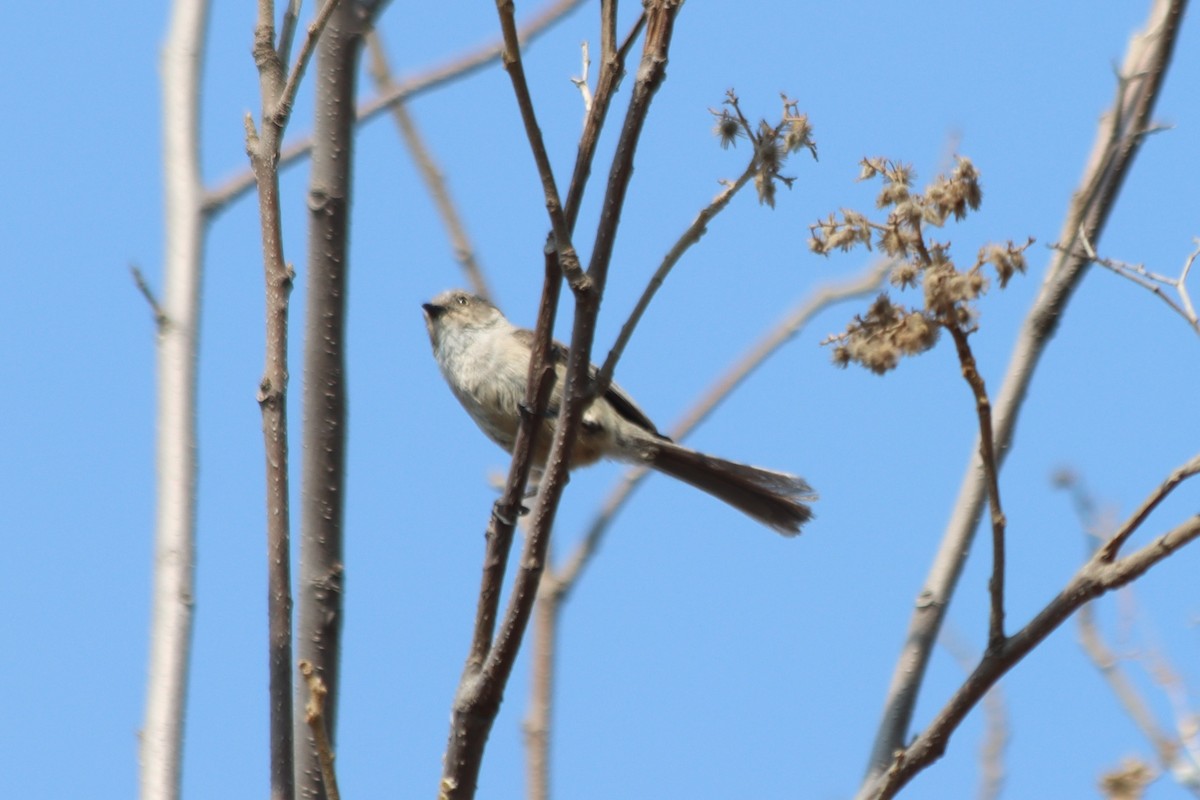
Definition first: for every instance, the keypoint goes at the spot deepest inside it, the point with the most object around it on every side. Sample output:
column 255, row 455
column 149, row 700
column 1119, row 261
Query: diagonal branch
column 689, row 237
column 515, row 67
column 1093, row 579
column 1108, row 552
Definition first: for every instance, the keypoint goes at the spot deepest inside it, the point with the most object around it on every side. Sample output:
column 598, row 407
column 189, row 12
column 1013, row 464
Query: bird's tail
column 772, row 498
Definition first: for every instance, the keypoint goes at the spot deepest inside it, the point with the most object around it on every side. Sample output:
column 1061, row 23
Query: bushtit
column 485, row 359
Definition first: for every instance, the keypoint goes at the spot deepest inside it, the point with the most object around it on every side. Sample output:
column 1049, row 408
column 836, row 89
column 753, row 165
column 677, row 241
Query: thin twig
column 500, row 529
column 1181, row 287
column 1151, row 281
column 987, row 454
column 612, row 69
column 549, row 599
column 160, row 316
column 659, row 26
column 262, row 147
column 1185, row 763
column 477, row 700
column 307, row 48
column 766, row 147
column 1109, row 667
column 1175, row 755
column 689, row 237
column 1108, row 552
column 587, row 289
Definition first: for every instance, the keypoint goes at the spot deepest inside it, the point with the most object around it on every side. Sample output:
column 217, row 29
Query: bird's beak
column 432, row 311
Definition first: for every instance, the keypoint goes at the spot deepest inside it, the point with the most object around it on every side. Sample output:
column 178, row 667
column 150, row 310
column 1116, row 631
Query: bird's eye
column 461, row 299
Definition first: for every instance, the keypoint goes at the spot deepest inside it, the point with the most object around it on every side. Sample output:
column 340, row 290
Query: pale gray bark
column 178, row 315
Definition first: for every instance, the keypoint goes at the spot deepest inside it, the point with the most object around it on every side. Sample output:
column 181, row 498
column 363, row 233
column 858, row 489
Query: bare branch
column 538, row 719
column 1108, row 664
column 612, row 69
column 660, row 24
column 765, row 161
column 1153, row 282
column 500, row 529
column 549, row 597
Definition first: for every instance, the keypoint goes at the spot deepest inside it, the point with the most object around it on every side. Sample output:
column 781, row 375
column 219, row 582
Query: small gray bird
column 485, row 359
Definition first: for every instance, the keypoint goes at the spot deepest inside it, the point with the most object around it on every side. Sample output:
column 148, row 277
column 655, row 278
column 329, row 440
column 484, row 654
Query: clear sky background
column 703, row 656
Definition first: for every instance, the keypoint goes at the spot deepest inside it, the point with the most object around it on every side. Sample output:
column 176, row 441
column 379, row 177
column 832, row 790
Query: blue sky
column 702, row 656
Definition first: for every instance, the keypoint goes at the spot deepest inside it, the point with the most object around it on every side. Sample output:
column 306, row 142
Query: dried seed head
column 726, row 129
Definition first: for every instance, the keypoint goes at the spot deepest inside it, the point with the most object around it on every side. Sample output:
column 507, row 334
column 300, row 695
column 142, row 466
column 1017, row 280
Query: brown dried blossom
column 889, row 331
column 773, row 143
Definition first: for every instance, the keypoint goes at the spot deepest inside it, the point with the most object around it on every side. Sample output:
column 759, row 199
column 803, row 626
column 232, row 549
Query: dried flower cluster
column 772, row 143
column 888, row 331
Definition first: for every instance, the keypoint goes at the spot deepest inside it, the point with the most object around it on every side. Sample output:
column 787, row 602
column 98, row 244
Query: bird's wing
column 621, row 402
